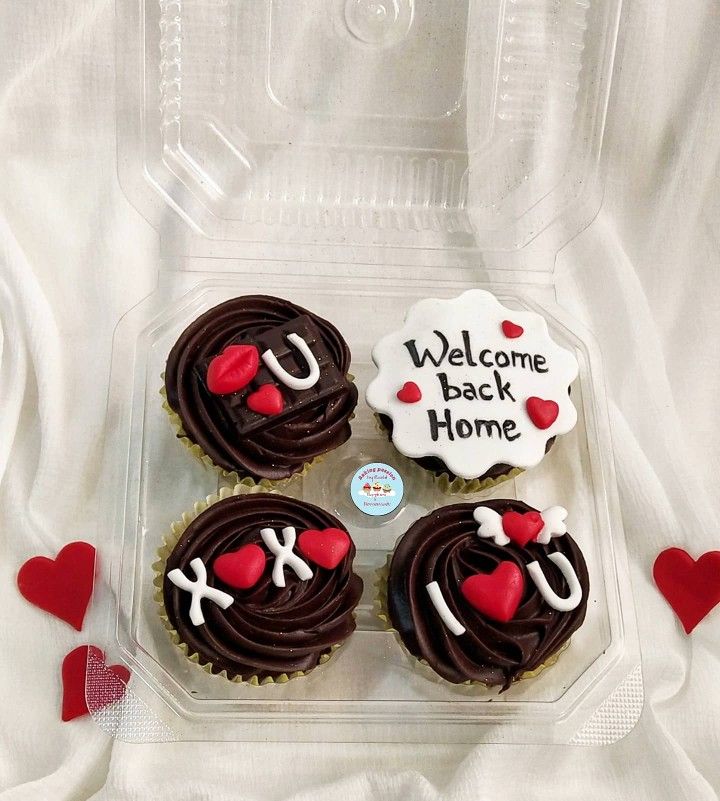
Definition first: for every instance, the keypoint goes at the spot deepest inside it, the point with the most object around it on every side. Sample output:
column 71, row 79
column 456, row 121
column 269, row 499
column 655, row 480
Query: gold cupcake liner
column 456, row 485
column 169, row 541
column 231, row 476
column 381, row 611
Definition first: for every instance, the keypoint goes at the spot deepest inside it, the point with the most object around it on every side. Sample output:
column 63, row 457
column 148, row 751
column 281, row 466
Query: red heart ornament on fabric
column 692, row 588
column 496, row 595
column 233, row 369
column 61, row 586
column 326, row 548
column 543, row 413
column 410, row 392
column 242, row 568
column 267, row 400
column 512, row 330
column 521, row 528
column 108, row 682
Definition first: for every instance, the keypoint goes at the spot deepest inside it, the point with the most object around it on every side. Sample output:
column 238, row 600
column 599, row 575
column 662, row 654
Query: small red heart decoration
column 61, row 586
column 326, row 548
column 267, row 400
column 512, row 330
column 496, row 595
column 410, row 392
column 691, row 588
column 241, row 568
column 108, row 682
column 521, row 528
column 543, row 413
column 233, row 369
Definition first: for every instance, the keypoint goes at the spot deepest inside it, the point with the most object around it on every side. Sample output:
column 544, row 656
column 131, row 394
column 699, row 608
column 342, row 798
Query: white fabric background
column 643, row 277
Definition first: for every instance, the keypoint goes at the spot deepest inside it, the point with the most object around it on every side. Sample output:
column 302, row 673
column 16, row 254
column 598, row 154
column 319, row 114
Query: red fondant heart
column 107, row 683
column 497, row 595
column 543, row 413
column 61, row 586
column 326, row 548
column 233, row 369
column 267, row 400
column 691, row 588
column 410, row 392
column 521, row 528
column 241, row 568
column 512, row 330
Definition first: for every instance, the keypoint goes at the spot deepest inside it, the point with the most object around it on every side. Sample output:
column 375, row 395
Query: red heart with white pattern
column 326, row 548
column 242, row 568
column 107, row 683
column 543, row 413
column 496, row 595
column 521, row 528
column 267, row 400
column 233, row 369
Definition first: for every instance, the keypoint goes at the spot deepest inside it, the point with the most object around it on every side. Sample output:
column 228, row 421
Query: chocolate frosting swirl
column 274, row 453
column 268, row 630
column 444, row 546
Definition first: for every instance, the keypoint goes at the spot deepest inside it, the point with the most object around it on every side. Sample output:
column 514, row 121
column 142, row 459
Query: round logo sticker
column 376, row 489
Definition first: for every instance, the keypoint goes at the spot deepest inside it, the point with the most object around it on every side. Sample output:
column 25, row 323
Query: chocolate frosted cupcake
column 471, row 390
column 258, row 587
column 486, row 592
column 260, row 387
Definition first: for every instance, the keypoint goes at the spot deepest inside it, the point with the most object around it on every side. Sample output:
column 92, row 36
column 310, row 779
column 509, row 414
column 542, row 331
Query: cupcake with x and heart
column 471, row 390
column 259, row 388
column 486, row 593
column 257, row 587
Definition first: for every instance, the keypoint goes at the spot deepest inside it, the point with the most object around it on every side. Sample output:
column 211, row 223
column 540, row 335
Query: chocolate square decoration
column 331, row 382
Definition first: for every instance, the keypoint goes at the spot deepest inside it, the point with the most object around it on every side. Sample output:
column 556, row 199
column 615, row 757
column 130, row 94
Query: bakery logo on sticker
column 376, row 489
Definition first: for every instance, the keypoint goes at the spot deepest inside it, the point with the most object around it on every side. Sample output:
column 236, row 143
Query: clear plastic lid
column 423, row 124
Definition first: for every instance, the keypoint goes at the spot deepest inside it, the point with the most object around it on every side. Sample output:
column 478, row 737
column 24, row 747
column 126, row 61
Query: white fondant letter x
column 284, row 555
column 199, row 590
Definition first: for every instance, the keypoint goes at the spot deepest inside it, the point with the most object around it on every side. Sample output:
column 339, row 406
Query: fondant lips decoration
column 241, row 568
column 521, row 528
column 108, row 682
column 691, row 588
column 496, row 595
column 410, row 392
column 61, row 586
column 267, row 400
column 233, row 369
column 543, row 413
column 326, row 548
column 512, row 330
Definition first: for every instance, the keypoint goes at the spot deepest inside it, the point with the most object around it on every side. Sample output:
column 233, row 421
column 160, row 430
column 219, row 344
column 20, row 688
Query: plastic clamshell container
column 355, row 157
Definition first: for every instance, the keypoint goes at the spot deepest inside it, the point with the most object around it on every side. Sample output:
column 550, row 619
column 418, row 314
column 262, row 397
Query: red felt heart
column 410, row 392
column 543, row 413
column 107, row 683
column 267, row 400
column 497, row 595
column 521, row 528
column 326, row 548
column 691, row 588
column 512, row 330
column 61, row 586
column 241, row 568
column 233, row 369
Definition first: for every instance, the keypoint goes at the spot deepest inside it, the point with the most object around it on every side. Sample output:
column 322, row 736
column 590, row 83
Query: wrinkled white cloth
column 644, row 277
